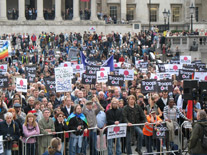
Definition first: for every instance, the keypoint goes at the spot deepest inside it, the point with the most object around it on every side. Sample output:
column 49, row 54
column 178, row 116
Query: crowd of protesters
column 42, row 111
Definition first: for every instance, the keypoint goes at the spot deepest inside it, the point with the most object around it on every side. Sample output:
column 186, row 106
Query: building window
column 113, row 11
column 176, row 14
column 153, row 12
column 196, row 14
column 130, row 13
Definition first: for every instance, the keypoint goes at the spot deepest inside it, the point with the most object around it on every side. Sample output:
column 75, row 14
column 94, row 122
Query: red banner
column 190, row 110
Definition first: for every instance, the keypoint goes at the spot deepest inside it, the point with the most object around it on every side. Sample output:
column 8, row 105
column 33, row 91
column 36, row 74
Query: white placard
column 201, row 76
column 185, row 59
column 63, row 79
column 3, row 69
column 1, row 145
column 116, row 65
column 128, row 74
column 77, row 68
column 154, row 76
column 107, row 69
column 116, row 131
column 101, row 76
column 174, row 67
column 65, row 64
column 21, row 85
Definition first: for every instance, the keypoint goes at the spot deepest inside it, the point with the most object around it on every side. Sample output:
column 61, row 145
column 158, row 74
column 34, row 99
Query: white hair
column 101, row 92
column 31, row 97
column 8, row 114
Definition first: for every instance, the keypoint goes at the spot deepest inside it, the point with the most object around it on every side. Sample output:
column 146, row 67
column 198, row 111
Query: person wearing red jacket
column 34, row 38
column 121, row 59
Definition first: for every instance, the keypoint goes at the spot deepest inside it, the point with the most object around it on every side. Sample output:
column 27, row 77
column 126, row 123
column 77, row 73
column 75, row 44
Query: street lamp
column 192, row 8
column 165, row 17
column 168, row 15
column 149, row 15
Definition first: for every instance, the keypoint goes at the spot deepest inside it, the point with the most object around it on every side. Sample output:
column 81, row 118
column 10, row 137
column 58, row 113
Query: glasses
column 60, row 116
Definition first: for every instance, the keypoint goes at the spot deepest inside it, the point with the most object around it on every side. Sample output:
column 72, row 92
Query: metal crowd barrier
column 10, row 147
column 101, row 144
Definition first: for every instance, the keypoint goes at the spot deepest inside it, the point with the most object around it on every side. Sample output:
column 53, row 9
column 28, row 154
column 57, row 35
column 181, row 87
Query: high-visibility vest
column 148, row 129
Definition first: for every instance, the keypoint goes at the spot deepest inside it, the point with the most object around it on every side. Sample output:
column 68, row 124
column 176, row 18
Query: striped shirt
column 171, row 113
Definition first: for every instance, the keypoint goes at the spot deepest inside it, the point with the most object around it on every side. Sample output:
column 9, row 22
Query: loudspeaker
column 202, row 89
column 190, row 88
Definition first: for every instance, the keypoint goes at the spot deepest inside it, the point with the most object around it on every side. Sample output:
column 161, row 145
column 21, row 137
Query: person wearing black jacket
column 9, row 129
column 133, row 114
column 77, row 121
column 60, row 126
column 68, row 109
column 162, row 102
column 114, row 117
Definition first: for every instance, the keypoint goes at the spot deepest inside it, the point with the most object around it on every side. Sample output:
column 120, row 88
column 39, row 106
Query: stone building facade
column 144, row 12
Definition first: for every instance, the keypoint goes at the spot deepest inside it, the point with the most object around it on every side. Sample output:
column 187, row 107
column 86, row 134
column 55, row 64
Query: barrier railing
column 24, row 145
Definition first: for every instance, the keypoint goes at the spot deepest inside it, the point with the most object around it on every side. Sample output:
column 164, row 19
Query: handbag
column 15, row 146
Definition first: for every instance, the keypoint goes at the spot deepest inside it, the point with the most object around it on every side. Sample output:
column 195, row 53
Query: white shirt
column 68, row 109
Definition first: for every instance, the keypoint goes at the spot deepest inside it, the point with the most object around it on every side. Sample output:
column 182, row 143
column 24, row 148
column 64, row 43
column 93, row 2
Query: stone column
column 76, row 14
column 40, row 10
column 21, row 10
column 58, row 10
column 104, row 6
column 94, row 10
column 3, row 10
column 123, row 9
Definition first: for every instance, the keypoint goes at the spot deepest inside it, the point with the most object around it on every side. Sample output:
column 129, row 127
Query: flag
column 83, row 59
column 4, row 51
column 81, row 116
column 109, row 63
column 190, row 110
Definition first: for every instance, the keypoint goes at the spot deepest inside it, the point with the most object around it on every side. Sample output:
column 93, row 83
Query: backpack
column 204, row 137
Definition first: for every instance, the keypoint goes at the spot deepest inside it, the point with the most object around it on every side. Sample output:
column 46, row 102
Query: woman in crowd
column 153, row 106
column 77, row 121
column 55, row 147
column 30, row 128
column 60, row 126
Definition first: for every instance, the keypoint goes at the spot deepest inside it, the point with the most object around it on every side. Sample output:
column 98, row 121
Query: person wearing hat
column 148, row 130
column 170, row 113
column 90, row 114
column 20, row 115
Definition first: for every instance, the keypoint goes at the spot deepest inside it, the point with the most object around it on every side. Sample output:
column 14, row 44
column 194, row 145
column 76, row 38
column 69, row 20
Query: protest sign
column 50, row 84
column 3, row 69
column 65, row 64
column 107, row 69
column 161, row 131
column 174, row 67
column 73, row 52
column 30, row 73
column 63, row 79
column 163, row 76
column 143, row 64
column 201, row 76
column 185, row 59
column 164, row 85
column 1, row 145
column 188, row 68
column 161, row 67
column 137, row 63
column 116, row 131
column 21, row 85
column 148, row 86
column 115, row 80
column 116, row 65
column 4, row 81
column 200, row 65
column 77, row 68
column 92, row 69
column 175, row 61
column 128, row 74
column 101, row 76
column 88, row 78
column 185, row 74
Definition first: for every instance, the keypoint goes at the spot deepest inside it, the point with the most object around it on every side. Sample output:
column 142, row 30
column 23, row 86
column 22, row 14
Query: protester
column 30, row 128
column 195, row 144
column 77, row 121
